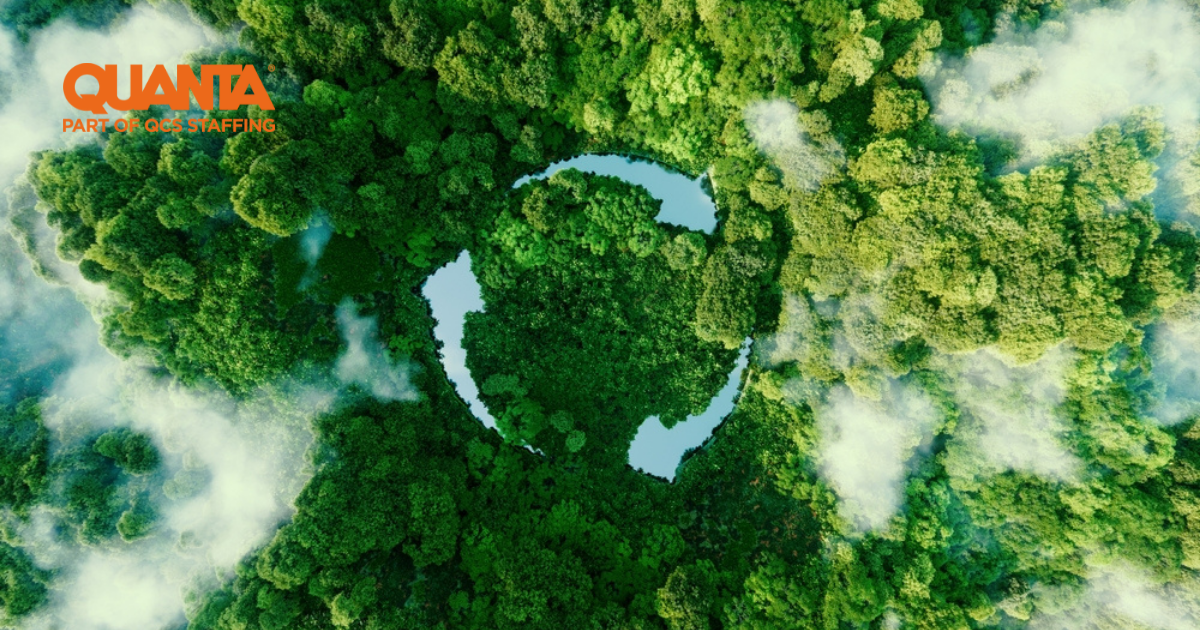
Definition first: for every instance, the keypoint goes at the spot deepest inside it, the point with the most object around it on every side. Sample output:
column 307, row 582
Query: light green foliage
column 348, row 606
column 900, row 9
column 136, row 522
column 920, row 51
column 576, row 440
column 854, row 54
column 171, row 276
column 965, row 279
column 1113, row 162
column 673, row 76
column 896, row 109
column 270, row 196
column 685, row 251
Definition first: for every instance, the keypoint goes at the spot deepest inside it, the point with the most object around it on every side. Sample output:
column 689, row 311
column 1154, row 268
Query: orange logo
column 248, row 90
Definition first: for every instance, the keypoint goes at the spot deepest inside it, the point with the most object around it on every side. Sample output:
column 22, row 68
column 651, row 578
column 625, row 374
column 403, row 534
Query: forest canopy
column 972, row 394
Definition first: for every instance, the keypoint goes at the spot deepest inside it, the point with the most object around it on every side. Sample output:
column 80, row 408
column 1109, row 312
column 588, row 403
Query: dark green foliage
column 91, row 504
column 611, row 307
column 94, row 488
column 132, row 451
column 137, row 521
column 345, row 268
column 23, row 455
column 22, row 585
column 84, row 486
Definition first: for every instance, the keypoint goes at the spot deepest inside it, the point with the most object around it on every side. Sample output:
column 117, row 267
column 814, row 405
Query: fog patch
column 42, row 327
column 252, row 453
column 32, row 107
column 1012, row 418
column 38, row 241
column 805, row 158
column 1064, row 79
column 232, row 469
column 31, row 115
column 1121, row 596
column 118, row 592
column 1174, row 349
column 230, row 472
column 865, row 447
column 313, row 241
column 797, row 336
column 243, row 461
column 312, row 244
column 365, row 362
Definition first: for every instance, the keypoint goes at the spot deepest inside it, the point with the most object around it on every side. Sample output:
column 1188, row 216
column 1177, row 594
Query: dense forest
column 973, row 391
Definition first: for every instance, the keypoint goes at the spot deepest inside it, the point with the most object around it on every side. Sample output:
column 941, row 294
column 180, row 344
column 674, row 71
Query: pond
column 453, row 292
column 657, row 450
column 684, row 201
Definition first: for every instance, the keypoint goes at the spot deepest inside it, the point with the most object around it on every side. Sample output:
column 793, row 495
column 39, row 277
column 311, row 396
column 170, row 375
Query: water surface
column 657, row 450
column 684, row 201
column 452, row 292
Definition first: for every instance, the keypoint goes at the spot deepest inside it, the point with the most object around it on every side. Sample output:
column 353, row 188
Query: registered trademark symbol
column 271, row 67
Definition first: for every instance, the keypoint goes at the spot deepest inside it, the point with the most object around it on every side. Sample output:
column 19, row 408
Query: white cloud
column 775, row 126
column 247, row 460
column 1124, row 597
column 32, row 105
column 365, row 362
column 797, row 336
column 31, row 119
column 312, row 244
column 1068, row 77
column 253, row 452
column 42, row 327
column 865, row 447
column 314, row 239
column 114, row 591
column 1012, row 418
column 1175, row 356
column 38, row 241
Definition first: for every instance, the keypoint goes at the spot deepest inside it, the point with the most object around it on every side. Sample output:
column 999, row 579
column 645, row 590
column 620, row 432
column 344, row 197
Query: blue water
column 684, row 201
column 657, row 450
column 453, row 292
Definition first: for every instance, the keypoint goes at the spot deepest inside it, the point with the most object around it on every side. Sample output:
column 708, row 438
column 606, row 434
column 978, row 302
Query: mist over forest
column 958, row 238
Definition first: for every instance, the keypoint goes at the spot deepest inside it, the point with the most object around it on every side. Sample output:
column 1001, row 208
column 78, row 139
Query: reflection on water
column 684, row 201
